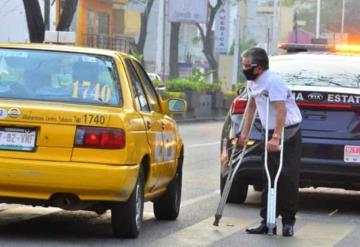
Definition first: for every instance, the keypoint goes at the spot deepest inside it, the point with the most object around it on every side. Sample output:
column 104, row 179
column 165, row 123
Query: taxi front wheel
column 168, row 206
column 126, row 217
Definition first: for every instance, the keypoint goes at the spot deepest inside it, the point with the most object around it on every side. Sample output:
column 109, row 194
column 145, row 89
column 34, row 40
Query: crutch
column 272, row 187
column 233, row 169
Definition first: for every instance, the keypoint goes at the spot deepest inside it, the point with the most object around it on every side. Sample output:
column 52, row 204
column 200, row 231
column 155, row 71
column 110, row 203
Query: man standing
column 283, row 113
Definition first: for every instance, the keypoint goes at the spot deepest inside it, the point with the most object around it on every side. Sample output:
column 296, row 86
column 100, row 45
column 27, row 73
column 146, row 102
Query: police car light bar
column 339, row 48
column 295, row 47
column 347, row 48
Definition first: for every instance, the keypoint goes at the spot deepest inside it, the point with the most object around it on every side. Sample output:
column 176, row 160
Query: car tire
column 167, row 207
column 238, row 191
column 126, row 217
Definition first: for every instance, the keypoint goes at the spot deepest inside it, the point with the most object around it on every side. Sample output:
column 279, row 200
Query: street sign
column 191, row 11
column 222, row 30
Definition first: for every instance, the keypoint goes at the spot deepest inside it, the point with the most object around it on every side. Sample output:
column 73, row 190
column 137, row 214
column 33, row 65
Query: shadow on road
column 320, row 200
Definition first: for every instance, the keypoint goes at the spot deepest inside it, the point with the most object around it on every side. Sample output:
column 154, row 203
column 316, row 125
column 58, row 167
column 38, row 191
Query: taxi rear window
column 59, row 76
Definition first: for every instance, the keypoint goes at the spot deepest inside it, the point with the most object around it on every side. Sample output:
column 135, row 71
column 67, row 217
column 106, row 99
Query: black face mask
column 249, row 74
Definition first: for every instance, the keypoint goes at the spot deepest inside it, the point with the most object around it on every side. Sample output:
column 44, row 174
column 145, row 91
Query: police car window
column 59, row 76
column 140, row 97
column 150, row 91
column 315, row 72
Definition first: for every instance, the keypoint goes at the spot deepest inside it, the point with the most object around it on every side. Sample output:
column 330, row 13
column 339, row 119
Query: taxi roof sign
column 60, row 37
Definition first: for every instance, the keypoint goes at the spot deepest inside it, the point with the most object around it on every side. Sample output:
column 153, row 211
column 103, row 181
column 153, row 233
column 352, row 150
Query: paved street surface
column 327, row 217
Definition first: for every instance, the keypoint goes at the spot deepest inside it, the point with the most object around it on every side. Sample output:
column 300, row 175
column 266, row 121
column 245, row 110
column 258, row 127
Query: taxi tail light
column 102, row 138
column 238, row 106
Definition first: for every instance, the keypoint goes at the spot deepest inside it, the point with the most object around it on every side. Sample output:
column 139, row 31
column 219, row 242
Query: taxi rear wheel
column 167, row 207
column 126, row 217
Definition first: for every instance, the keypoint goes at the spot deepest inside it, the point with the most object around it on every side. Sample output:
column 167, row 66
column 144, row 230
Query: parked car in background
column 325, row 81
column 156, row 79
column 84, row 129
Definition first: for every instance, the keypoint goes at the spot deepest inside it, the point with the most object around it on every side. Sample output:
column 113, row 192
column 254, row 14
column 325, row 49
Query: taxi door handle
column 148, row 125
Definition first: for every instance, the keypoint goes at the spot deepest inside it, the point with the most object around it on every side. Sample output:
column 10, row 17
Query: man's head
column 254, row 62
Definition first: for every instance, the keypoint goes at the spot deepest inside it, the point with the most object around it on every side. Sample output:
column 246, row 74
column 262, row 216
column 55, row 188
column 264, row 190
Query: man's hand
column 273, row 145
column 242, row 140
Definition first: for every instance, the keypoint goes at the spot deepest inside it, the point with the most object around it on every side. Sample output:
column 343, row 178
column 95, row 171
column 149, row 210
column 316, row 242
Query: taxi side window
column 140, row 97
column 150, row 91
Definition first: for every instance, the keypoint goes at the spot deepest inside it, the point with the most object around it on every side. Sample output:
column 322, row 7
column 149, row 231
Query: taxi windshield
column 59, row 76
column 320, row 73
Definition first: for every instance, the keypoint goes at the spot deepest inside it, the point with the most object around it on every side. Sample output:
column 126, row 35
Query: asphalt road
column 327, row 217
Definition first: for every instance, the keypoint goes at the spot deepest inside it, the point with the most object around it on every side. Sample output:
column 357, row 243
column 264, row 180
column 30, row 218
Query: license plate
column 17, row 139
column 352, row 154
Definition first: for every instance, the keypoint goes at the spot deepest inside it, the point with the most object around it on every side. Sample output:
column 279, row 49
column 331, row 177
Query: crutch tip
column 217, row 220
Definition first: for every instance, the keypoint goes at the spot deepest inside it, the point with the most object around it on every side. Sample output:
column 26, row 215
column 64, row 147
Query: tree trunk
column 67, row 15
column 207, row 39
column 174, row 50
column 35, row 21
column 143, row 27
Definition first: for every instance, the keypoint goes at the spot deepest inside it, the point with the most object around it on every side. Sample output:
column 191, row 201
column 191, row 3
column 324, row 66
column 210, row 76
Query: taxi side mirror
column 174, row 106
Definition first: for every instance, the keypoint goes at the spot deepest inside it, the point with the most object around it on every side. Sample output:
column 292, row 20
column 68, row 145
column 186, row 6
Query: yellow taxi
column 84, row 129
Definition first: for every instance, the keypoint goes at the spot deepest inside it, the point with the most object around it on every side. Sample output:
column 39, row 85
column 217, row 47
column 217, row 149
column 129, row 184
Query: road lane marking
column 319, row 235
column 203, row 145
column 333, row 212
column 200, row 198
column 204, row 233
column 23, row 213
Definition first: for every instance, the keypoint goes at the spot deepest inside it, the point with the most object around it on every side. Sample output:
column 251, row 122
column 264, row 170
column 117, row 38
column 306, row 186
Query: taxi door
column 168, row 165
column 153, row 127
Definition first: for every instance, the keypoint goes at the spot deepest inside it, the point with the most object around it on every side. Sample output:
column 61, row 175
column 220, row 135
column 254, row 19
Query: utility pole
column 237, row 46
column 318, row 18
column 164, row 41
column 160, row 41
column 343, row 16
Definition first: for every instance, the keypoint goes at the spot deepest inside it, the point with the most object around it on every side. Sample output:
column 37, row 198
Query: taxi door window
column 150, row 91
column 139, row 94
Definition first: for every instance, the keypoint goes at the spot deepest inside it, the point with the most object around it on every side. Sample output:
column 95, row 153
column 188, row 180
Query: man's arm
column 248, row 116
column 274, row 143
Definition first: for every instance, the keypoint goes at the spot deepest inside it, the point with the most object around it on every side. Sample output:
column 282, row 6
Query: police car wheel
column 258, row 187
column 167, row 207
column 238, row 191
column 126, row 217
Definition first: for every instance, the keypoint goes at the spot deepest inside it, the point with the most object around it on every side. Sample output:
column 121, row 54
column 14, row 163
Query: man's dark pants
column 288, row 183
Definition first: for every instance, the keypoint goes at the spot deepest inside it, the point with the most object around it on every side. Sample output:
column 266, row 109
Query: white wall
column 13, row 26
